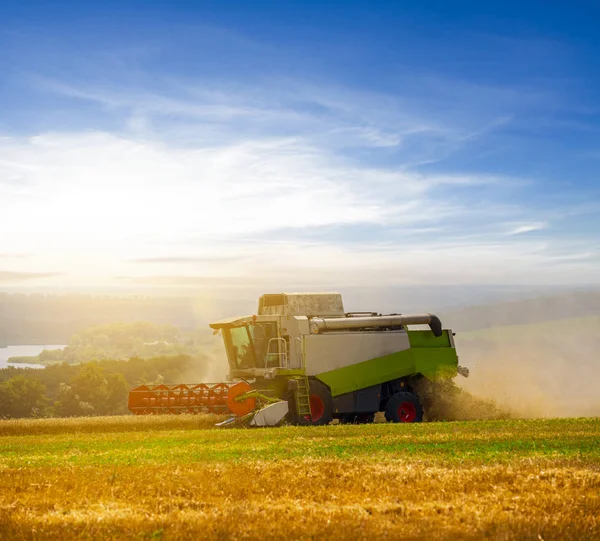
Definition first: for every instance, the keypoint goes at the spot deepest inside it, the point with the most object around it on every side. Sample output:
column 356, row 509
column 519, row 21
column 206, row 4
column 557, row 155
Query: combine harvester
column 305, row 361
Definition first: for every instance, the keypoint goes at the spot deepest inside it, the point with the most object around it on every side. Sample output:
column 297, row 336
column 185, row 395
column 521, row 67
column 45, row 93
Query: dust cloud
column 216, row 367
column 547, row 369
column 536, row 380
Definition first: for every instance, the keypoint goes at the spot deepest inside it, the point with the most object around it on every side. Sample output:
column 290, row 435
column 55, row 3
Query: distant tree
column 117, row 391
column 68, row 403
column 50, row 355
column 91, row 386
column 22, row 396
column 93, row 391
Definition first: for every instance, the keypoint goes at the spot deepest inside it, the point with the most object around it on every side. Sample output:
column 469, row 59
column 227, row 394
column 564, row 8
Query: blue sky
column 216, row 143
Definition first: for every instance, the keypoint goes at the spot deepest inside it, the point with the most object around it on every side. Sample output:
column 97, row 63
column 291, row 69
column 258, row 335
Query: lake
column 23, row 351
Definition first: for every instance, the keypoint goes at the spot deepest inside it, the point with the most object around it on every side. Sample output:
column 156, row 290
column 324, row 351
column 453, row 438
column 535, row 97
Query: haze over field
column 533, row 356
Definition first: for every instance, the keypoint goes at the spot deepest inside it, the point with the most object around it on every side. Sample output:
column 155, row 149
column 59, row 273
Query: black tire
column 404, row 407
column 357, row 419
column 321, row 404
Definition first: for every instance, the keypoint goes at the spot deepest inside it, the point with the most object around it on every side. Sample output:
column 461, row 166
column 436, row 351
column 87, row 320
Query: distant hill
column 121, row 341
column 562, row 306
column 54, row 318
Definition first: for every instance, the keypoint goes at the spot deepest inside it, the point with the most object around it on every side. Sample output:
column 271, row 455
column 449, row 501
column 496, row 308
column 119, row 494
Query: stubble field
column 175, row 478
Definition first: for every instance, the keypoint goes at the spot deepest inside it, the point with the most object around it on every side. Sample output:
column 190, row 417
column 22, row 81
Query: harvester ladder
column 302, row 397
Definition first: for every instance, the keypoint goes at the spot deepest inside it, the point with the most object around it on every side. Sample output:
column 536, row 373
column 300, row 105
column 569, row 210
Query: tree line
column 92, row 388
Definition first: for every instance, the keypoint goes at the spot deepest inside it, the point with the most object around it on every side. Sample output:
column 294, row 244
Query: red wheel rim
column 407, row 412
column 317, row 407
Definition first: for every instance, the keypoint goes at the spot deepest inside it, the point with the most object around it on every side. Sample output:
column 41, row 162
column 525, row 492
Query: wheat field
column 173, row 478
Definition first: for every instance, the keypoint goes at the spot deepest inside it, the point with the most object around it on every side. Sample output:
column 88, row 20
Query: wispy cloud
column 182, row 259
column 528, row 228
column 10, row 277
column 332, row 116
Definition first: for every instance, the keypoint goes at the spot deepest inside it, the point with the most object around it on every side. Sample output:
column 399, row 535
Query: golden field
column 172, row 478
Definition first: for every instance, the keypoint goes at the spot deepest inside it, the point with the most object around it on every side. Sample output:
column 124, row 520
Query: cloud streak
column 181, row 259
column 11, row 277
column 528, row 228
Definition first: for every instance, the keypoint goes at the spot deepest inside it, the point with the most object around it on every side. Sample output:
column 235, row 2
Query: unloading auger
column 301, row 359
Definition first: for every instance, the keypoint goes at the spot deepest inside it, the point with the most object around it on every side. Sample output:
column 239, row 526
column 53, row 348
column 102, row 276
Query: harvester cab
column 304, row 360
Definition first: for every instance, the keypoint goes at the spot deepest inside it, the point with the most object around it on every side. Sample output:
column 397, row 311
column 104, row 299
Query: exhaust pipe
column 319, row 325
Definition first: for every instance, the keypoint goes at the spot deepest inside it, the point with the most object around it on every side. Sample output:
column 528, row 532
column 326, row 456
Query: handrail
column 300, row 352
column 281, row 353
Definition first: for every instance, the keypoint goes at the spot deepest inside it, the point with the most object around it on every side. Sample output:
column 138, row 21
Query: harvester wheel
column 321, row 404
column 404, row 407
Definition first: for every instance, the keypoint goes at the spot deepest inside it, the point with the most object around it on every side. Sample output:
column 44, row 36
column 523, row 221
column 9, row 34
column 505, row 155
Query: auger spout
column 318, row 325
